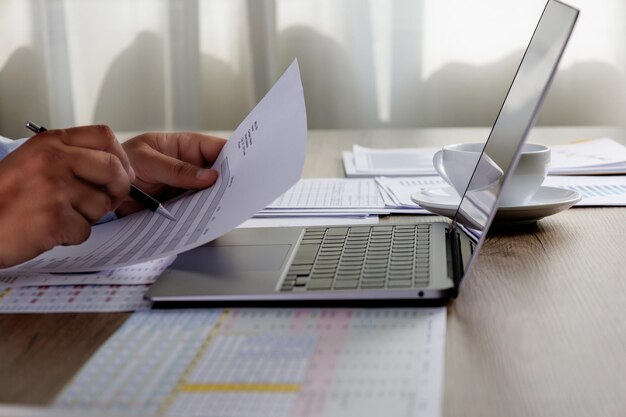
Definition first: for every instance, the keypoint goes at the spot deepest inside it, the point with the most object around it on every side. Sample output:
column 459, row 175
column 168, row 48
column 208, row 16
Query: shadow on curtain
column 23, row 93
column 338, row 93
column 587, row 93
column 224, row 96
column 132, row 96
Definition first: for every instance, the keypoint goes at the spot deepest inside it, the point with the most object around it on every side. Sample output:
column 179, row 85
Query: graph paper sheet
column 276, row 363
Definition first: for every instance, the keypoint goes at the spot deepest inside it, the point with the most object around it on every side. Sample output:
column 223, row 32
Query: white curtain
column 202, row 64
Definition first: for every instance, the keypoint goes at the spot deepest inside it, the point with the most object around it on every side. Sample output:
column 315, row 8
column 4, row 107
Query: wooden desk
column 537, row 330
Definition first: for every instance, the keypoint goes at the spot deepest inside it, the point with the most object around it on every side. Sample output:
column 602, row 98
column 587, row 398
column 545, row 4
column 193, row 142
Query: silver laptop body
column 423, row 262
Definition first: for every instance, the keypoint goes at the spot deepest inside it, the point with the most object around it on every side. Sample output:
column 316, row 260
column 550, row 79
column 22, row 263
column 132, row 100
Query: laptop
column 422, row 263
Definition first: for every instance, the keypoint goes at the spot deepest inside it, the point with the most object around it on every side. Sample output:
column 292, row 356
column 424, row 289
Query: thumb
column 180, row 174
column 191, row 177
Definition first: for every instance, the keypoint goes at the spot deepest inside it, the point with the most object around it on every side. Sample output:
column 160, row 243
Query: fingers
column 195, row 148
column 77, row 229
column 178, row 160
column 65, row 217
column 102, row 169
column 199, row 146
column 92, row 155
column 92, row 203
column 176, row 173
column 73, row 170
column 99, row 137
column 36, row 219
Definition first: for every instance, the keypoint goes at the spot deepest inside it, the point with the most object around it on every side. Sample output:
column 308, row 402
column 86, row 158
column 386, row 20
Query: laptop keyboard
column 352, row 258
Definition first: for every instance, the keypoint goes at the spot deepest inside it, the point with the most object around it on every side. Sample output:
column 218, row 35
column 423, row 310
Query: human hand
column 55, row 186
column 168, row 163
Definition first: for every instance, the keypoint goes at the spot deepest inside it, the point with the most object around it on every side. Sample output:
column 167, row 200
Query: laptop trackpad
column 244, row 261
column 233, row 260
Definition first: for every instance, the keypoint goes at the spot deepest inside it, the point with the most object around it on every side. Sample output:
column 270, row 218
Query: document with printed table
column 119, row 289
column 74, row 299
column 268, row 362
column 596, row 190
column 260, row 161
column 336, row 196
column 588, row 157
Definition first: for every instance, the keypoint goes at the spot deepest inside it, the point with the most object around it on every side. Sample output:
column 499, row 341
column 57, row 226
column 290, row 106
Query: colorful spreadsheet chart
column 268, row 362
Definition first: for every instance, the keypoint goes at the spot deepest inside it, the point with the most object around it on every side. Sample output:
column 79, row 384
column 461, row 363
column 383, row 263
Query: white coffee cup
column 456, row 163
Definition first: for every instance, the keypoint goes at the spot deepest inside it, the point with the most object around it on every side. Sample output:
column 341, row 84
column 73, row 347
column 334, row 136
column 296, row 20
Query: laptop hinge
column 456, row 262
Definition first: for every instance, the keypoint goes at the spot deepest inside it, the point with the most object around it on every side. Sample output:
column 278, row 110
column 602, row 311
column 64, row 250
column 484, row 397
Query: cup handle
column 438, row 164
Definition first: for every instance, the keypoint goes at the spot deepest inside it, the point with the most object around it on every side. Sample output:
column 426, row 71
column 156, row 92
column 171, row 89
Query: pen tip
column 165, row 213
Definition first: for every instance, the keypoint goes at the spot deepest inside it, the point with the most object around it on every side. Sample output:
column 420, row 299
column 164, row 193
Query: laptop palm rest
column 244, row 261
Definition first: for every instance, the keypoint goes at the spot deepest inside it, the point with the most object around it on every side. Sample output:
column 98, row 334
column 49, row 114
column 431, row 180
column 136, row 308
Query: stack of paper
column 369, row 162
column 595, row 190
column 309, row 221
column 594, row 157
column 333, row 197
column 332, row 201
column 119, row 289
column 399, row 189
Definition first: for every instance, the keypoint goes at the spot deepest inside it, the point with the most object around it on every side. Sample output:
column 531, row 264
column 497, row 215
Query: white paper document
column 120, row 289
column 143, row 273
column 593, row 157
column 420, row 160
column 370, row 162
column 74, row 298
column 326, row 196
column 599, row 156
column 260, row 161
column 329, row 193
column 595, row 190
column 268, row 362
column 399, row 189
column 356, row 213
column 304, row 221
column 20, row 410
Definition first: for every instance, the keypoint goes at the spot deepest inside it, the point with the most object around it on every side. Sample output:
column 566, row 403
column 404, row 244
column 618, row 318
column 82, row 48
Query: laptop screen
column 517, row 116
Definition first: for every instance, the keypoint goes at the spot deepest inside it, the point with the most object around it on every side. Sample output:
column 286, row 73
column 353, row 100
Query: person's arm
column 59, row 183
column 55, row 186
column 166, row 164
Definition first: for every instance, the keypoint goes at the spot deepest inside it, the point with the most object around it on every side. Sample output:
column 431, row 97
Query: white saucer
column 548, row 200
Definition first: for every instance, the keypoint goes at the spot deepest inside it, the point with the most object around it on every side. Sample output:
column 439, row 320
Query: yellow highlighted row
column 239, row 388
column 4, row 293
